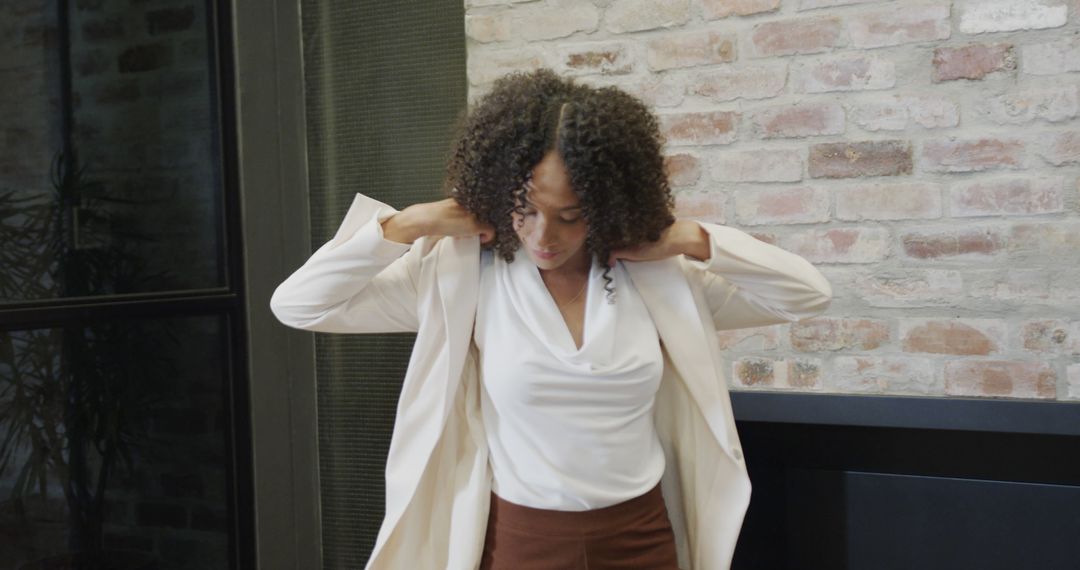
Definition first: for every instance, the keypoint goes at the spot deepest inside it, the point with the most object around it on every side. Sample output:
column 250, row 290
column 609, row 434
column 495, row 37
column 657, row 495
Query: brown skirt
column 632, row 534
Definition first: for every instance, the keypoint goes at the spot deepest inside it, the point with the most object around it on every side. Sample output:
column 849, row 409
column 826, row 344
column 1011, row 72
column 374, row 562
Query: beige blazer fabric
column 437, row 475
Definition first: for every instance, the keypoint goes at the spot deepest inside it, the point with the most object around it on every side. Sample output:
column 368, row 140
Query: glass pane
column 109, row 172
column 113, row 445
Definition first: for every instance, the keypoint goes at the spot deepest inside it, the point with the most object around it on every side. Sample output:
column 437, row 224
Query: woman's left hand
column 683, row 237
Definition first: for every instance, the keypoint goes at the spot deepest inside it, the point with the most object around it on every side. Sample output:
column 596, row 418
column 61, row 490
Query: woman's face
column 551, row 226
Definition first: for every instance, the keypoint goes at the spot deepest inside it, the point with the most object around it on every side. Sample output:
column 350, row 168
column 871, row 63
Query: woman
column 564, row 406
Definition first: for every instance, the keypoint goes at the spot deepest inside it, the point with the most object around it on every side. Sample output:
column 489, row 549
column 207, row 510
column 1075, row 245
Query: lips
column 545, row 255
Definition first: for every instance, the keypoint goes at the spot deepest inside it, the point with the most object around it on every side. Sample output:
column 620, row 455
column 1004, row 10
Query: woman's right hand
column 443, row 218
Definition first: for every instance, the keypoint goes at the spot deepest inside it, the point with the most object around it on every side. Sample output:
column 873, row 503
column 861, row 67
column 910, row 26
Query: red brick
column 765, row 237
column 905, row 201
column 704, row 206
column 755, row 338
column 1000, row 378
column 820, row 334
column 1016, row 196
column 758, row 165
column 962, row 337
column 717, row 127
column 715, row 9
column 1061, row 148
column 788, row 205
column 843, row 73
column 1057, row 242
column 169, row 20
column 807, row 35
column 800, row 120
column 754, row 372
column 884, row 375
column 745, row 82
column 683, row 169
column 901, row 25
column 934, row 245
column 99, row 30
column 840, row 245
column 972, row 62
column 690, row 49
column 1045, row 336
column 804, row 373
column 604, row 58
column 968, row 155
column 796, row 374
column 860, row 158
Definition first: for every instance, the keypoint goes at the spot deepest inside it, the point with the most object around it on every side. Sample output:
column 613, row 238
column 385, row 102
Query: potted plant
column 76, row 404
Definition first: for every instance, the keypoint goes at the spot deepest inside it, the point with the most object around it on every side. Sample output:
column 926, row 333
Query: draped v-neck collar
column 533, row 302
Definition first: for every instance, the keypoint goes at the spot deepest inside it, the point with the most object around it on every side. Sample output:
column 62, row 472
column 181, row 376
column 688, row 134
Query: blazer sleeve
column 358, row 282
column 750, row 283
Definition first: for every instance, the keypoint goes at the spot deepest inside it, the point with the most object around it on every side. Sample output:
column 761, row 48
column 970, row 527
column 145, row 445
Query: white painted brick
column 689, row 49
column 636, row 15
column 897, row 113
column 487, row 65
column 786, row 205
column 908, row 288
column 1053, row 105
column 886, row 375
column 844, row 73
column 892, row 201
column 531, row 23
column 762, row 165
column 814, row 4
column 1007, row 196
column 739, row 82
column 840, row 245
column 979, row 16
column 1072, row 382
column 899, row 25
column 1051, row 58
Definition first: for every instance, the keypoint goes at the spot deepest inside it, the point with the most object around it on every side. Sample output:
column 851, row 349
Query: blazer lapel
column 667, row 294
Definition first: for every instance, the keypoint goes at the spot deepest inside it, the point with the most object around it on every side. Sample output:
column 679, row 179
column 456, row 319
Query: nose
column 546, row 232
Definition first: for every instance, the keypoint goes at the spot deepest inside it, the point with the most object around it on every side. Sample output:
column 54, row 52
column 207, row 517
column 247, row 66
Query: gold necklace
column 560, row 305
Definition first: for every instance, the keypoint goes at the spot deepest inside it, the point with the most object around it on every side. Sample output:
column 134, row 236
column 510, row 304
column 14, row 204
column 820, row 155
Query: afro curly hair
column 609, row 141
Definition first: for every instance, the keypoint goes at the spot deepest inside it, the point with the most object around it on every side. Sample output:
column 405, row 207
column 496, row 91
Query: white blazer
column 438, row 480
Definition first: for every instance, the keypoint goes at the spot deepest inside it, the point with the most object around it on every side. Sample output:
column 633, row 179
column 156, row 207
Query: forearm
column 773, row 280
column 692, row 240
column 404, row 226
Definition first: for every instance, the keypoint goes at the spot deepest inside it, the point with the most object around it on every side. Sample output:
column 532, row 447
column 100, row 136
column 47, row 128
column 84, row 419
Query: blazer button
column 737, row 453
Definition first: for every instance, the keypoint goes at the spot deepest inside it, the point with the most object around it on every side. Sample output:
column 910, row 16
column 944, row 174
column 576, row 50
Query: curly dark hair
column 608, row 139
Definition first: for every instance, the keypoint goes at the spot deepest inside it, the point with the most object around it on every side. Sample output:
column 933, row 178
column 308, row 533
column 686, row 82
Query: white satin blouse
column 568, row 429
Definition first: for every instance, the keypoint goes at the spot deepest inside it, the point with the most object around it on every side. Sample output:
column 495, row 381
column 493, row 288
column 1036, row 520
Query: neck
column 573, row 268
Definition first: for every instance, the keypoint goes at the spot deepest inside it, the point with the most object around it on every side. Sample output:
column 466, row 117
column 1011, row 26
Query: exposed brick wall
column 925, row 155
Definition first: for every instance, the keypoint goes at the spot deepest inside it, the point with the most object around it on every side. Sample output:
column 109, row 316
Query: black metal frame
column 915, row 412
column 229, row 302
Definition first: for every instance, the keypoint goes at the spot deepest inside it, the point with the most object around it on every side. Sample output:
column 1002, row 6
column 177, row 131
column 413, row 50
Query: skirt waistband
column 562, row 523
